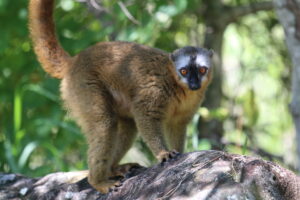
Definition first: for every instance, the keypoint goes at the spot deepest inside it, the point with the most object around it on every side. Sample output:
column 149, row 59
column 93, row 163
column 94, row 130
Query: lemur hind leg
column 90, row 105
column 125, row 137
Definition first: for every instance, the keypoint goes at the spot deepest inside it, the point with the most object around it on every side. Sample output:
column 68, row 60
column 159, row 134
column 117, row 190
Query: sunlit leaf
column 29, row 148
column 17, row 110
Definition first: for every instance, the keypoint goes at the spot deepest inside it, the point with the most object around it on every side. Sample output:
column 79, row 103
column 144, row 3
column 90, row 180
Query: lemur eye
column 202, row 70
column 183, row 71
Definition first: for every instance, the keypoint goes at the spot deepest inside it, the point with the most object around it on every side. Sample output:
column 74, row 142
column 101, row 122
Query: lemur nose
column 194, row 86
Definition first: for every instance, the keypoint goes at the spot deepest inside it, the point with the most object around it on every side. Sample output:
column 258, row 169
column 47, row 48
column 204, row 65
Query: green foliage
column 256, row 83
column 36, row 135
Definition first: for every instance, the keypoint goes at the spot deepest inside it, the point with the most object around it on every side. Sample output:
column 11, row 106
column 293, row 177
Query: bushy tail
column 54, row 59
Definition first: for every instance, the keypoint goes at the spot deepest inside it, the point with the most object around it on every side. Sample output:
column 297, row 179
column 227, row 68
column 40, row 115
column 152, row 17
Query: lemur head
column 192, row 65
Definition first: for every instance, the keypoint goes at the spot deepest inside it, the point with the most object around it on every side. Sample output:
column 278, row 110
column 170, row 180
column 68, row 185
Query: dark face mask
column 194, row 81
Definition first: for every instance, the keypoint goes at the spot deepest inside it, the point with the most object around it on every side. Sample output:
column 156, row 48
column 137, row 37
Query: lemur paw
column 121, row 170
column 106, row 186
column 167, row 155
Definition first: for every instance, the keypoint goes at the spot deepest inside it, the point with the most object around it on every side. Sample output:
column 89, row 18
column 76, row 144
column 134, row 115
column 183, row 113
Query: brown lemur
column 116, row 89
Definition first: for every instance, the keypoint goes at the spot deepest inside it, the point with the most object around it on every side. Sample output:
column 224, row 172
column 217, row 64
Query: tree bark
column 198, row 175
column 288, row 12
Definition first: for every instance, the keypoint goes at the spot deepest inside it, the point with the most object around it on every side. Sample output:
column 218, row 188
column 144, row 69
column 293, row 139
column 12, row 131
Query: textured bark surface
column 199, row 175
column 288, row 12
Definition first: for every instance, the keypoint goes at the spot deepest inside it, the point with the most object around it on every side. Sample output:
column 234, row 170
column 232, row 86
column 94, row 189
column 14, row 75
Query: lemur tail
column 54, row 59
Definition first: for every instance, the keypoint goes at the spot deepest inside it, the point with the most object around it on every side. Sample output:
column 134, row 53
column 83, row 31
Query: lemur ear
column 173, row 57
column 211, row 53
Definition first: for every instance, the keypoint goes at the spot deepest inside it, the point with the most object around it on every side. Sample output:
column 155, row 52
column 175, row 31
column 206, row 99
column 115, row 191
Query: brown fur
column 114, row 90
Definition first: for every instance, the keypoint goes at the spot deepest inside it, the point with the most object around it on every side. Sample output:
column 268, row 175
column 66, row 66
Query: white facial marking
column 182, row 61
column 202, row 60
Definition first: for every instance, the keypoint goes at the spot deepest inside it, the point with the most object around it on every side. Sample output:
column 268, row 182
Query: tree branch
column 201, row 175
column 127, row 13
column 95, row 7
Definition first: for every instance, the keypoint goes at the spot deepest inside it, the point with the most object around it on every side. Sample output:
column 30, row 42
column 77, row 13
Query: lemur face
column 192, row 65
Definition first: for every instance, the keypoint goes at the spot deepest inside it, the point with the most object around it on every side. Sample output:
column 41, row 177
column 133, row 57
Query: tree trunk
column 216, row 17
column 214, row 31
column 288, row 12
column 204, row 175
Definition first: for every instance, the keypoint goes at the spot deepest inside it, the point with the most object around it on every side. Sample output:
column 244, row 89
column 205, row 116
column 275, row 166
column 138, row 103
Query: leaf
column 42, row 91
column 251, row 108
column 181, row 5
column 29, row 148
column 17, row 110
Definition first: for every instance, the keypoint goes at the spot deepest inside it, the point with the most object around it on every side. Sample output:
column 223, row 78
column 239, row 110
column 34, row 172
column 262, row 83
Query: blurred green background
column 251, row 90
